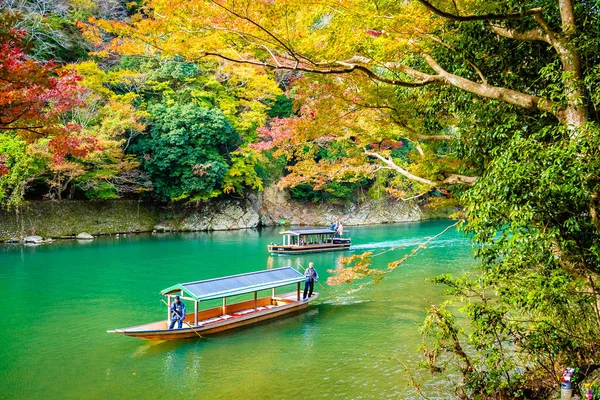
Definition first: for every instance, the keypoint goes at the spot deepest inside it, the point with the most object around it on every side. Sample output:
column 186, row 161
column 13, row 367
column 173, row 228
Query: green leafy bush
column 185, row 153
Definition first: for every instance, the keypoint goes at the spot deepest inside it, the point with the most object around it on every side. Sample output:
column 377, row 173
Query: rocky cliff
column 272, row 207
column 68, row 218
column 275, row 207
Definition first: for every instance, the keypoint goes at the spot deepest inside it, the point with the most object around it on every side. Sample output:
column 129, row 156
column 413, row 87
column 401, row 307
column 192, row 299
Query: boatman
column 340, row 229
column 177, row 313
column 311, row 277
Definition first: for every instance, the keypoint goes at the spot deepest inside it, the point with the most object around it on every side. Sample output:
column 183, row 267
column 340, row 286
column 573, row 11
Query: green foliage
column 185, row 153
column 22, row 168
column 531, row 308
column 283, row 107
column 243, row 175
column 102, row 191
column 336, row 192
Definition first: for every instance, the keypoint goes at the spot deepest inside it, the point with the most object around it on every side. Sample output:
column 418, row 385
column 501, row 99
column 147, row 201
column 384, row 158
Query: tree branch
column 392, row 165
column 452, row 179
column 534, row 34
column 574, row 115
column 567, row 17
column 345, row 67
column 510, row 96
column 24, row 128
column 483, row 17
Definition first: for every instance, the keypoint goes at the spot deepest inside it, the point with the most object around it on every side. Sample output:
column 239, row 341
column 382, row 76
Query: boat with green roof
column 227, row 316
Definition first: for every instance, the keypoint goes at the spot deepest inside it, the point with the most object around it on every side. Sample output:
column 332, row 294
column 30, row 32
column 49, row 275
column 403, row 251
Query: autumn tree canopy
column 34, row 97
column 69, row 130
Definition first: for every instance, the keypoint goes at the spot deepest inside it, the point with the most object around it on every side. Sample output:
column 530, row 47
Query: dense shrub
column 185, row 153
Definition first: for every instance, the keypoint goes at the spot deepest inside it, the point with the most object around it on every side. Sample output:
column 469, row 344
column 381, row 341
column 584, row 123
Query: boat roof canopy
column 316, row 231
column 236, row 284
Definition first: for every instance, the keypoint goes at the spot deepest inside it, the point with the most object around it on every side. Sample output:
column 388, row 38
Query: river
column 58, row 300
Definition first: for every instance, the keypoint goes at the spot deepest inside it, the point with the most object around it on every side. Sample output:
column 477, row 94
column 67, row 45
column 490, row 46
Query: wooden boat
column 227, row 316
column 297, row 241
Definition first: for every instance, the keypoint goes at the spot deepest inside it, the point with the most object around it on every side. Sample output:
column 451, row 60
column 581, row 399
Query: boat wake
column 345, row 301
column 408, row 243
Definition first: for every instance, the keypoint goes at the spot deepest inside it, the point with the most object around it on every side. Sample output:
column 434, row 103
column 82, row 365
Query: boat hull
column 309, row 248
column 146, row 331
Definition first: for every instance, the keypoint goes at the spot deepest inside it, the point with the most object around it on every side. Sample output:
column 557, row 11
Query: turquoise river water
column 58, row 300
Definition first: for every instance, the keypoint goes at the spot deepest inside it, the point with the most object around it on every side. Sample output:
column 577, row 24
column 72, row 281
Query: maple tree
column 34, row 96
column 390, row 44
column 111, row 117
column 352, row 140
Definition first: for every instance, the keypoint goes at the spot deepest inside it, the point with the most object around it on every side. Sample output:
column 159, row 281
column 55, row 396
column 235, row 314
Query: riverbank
column 66, row 219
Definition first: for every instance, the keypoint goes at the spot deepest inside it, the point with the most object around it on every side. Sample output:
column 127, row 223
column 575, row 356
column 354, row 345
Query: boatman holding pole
column 311, row 277
column 177, row 313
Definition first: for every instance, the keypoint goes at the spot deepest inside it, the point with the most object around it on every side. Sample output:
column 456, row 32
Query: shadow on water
column 150, row 348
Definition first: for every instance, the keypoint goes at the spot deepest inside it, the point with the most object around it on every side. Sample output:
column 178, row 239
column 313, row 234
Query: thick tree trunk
column 575, row 114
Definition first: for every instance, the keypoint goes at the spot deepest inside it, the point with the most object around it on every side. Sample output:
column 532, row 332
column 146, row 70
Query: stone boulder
column 33, row 239
column 84, row 236
column 36, row 240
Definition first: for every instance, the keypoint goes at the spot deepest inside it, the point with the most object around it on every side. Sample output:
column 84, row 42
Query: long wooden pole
column 191, row 327
column 320, row 284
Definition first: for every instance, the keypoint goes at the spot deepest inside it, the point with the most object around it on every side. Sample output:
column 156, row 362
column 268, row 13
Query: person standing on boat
column 177, row 313
column 311, row 277
column 340, row 229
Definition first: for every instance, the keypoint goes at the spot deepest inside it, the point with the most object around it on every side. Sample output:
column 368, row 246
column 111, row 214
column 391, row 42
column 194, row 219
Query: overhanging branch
column 452, row 179
column 338, row 67
column 483, row 17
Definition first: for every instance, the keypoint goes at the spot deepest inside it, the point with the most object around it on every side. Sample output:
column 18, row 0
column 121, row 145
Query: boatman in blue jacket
column 311, row 277
column 177, row 313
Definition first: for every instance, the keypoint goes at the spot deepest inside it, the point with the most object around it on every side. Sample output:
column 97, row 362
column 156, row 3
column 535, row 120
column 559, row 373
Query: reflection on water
column 351, row 348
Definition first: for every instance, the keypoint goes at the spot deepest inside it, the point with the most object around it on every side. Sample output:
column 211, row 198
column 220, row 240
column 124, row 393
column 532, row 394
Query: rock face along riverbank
column 271, row 208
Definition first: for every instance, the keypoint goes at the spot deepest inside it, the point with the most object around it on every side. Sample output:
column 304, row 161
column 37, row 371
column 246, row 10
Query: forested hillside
column 83, row 121
column 75, row 125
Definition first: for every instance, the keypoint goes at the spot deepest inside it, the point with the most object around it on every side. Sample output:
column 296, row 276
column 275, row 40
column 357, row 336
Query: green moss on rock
column 68, row 218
